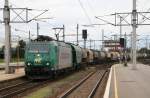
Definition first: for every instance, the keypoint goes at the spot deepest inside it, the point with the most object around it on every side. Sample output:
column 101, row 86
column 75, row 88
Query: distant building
column 112, row 45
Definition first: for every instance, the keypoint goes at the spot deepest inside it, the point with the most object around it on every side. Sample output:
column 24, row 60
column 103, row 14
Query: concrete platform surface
column 15, row 65
column 124, row 82
column 18, row 73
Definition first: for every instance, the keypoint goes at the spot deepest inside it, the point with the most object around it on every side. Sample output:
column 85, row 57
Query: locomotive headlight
column 28, row 64
column 47, row 64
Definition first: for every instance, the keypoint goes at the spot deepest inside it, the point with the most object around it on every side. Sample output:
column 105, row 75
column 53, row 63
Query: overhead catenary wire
column 92, row 11
column 85, row 11
column 91, row 7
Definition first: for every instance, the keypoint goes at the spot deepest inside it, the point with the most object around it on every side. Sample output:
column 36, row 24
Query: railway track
column 10, row 82
column 87, row 87
column 18, row 86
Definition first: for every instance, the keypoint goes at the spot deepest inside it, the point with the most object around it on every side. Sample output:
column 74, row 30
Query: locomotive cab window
column 38, row 48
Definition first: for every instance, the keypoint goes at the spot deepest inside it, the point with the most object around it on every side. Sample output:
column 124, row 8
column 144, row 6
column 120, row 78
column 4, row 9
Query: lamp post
column 17, row 49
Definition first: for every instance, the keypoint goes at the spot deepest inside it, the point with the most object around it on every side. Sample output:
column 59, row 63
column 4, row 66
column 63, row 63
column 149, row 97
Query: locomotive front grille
column 40, row 69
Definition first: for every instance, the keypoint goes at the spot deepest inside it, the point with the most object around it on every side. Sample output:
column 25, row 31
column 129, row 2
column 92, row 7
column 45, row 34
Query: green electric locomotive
column 44, row 59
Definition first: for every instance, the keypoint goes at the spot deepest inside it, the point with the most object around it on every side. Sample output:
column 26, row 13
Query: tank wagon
column 102, row 57
column 95, row 56
column 114, row 56
column 84, row 56
column 88, row 56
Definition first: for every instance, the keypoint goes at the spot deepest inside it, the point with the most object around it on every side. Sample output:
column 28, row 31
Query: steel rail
column 91, row 95
column 21, row 88
column 18, row 91
column 64, row 95
column 12, row 86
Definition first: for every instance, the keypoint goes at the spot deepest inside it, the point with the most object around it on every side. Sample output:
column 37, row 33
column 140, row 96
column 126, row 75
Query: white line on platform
column 115, row 83
column 106, row 94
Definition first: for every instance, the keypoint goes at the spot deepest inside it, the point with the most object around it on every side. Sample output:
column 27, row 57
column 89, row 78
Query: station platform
column 126, row 82
column 18, row 73
column 15, row 65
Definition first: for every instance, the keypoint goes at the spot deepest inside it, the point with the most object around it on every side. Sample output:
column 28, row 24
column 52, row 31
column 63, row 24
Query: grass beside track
column 53, row 89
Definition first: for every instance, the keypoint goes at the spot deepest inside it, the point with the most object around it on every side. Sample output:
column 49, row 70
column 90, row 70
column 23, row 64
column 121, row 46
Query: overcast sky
column 72, row 12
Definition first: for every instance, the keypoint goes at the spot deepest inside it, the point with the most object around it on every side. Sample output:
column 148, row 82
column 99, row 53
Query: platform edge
column 106, row 93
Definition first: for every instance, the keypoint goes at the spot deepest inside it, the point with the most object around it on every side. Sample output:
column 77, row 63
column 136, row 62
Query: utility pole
column 134, row 26
column 125, row 48
column 29, row 36
column 18, row 55
column 38, row 29
column 115, row 39
column 131, row 48
column 125, row 36
column 6, row 13
column 94, row 45
column 120, row 27
column 121, row 35
column 90, row 44
column 77, row 34
column 64, row 33
column 84, row 43
column 102, row 39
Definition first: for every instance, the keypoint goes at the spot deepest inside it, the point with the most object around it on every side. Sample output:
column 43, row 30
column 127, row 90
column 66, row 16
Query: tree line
column 19, row 49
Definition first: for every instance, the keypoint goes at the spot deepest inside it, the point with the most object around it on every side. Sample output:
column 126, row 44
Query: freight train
column 44, row 59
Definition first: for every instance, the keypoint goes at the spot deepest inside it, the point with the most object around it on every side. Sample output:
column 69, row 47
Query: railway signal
column 84, row 36
column 123, row 42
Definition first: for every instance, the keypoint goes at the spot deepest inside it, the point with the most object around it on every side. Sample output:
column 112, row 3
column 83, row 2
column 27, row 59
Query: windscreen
column 38, row 48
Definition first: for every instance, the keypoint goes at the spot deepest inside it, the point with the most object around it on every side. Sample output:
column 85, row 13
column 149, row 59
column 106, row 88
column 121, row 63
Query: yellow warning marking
column 115, row 84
